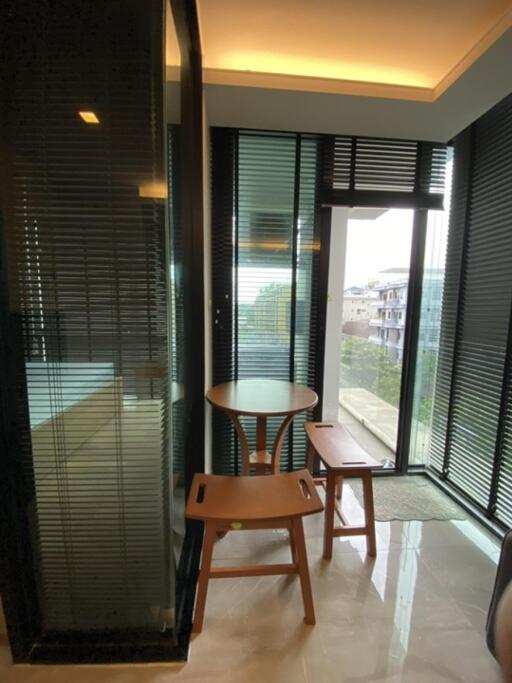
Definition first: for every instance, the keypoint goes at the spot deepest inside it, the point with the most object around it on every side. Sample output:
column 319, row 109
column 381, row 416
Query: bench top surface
column 252, row 498
column 337, row 448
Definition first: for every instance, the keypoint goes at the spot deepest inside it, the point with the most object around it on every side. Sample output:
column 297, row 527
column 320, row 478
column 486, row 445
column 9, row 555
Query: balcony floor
column 364, row 437
column 371, row 419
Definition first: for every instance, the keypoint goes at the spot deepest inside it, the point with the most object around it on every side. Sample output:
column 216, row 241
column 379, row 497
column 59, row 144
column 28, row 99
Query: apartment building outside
column 357, row 311
column 388, row 325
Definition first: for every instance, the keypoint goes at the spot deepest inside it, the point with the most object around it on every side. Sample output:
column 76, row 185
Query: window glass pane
column 430, row 325
column 377, row 258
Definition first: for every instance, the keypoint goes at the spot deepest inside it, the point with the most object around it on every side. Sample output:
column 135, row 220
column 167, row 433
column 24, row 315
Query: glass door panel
column 376, row 267
column 430, row 328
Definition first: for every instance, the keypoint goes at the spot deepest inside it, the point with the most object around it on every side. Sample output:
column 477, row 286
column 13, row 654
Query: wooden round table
column 261, row 398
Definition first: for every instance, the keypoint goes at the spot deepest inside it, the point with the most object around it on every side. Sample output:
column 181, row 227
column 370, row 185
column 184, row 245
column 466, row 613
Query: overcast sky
column 376, row 245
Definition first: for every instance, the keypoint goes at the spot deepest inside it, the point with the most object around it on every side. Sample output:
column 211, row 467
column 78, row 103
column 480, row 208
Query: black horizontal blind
column 471, row 447
column 87, row 272
column 495, row 180
column 224, row 151
column 360, row 171
column 500, row 504
column 450, row 304
column 307, row 327
column 264, row 268
column 177, row 304
column 264, row 256
column 177, row 345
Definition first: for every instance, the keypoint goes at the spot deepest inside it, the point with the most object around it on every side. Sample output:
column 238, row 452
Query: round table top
column 262, row 397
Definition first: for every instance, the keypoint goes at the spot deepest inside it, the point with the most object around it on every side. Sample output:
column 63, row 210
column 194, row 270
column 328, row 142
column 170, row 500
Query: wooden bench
column 343, row 458
column 238, row 503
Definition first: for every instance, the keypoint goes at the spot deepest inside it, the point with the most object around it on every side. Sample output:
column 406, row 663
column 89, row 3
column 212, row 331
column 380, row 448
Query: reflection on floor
column 415, row 614
column 365, row 438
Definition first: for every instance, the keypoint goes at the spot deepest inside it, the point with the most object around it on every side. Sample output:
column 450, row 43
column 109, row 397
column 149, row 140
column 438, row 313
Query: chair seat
column 336, row 447
column 278, row 496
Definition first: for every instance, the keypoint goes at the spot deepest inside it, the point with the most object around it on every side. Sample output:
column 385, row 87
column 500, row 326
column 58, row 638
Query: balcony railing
column 386, row 322
column 376, row 340
column 390, row 303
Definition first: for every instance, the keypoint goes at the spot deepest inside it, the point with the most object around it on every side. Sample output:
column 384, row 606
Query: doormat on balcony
column 409, row 498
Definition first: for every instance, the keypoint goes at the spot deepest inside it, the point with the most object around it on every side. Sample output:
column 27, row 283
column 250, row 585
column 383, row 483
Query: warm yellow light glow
column 153, row 190
column 89, row 116
column 274, row 63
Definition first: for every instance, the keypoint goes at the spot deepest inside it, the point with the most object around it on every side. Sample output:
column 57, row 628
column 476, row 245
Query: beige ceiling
column 410, row 49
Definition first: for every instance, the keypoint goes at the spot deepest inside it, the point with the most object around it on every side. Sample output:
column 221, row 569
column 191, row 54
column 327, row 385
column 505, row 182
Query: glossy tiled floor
column 416, row 614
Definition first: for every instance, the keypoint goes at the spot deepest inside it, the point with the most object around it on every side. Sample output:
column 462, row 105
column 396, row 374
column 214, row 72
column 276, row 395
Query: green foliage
column 371, row 367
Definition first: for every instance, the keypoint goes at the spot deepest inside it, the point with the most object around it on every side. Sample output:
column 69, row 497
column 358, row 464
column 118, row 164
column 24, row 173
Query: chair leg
column 369, row 514
column 293, row 548
column 302, row 561
column 329, row 514
column 339, row 487
column 204, row 575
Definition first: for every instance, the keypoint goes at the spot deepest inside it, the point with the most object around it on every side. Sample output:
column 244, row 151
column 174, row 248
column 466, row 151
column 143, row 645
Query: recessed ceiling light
column 89, row 116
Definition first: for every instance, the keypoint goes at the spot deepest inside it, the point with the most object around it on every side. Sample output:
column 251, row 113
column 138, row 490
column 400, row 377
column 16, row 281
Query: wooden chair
column 237, row 503
column 343, row 458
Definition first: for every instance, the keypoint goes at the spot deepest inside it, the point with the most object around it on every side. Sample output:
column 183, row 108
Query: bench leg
column 339, row 487
column 329, row 514
column 204, row 575
column 310, row 458
column 369, row 514
column 302, row 561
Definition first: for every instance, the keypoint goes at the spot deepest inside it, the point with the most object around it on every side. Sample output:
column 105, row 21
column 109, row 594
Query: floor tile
column 415, row 613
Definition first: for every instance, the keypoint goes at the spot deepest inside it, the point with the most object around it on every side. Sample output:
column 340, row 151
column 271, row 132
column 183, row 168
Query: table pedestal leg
column 244, row 446
column 261, row 433
column 261, row 444
column 276, row 449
